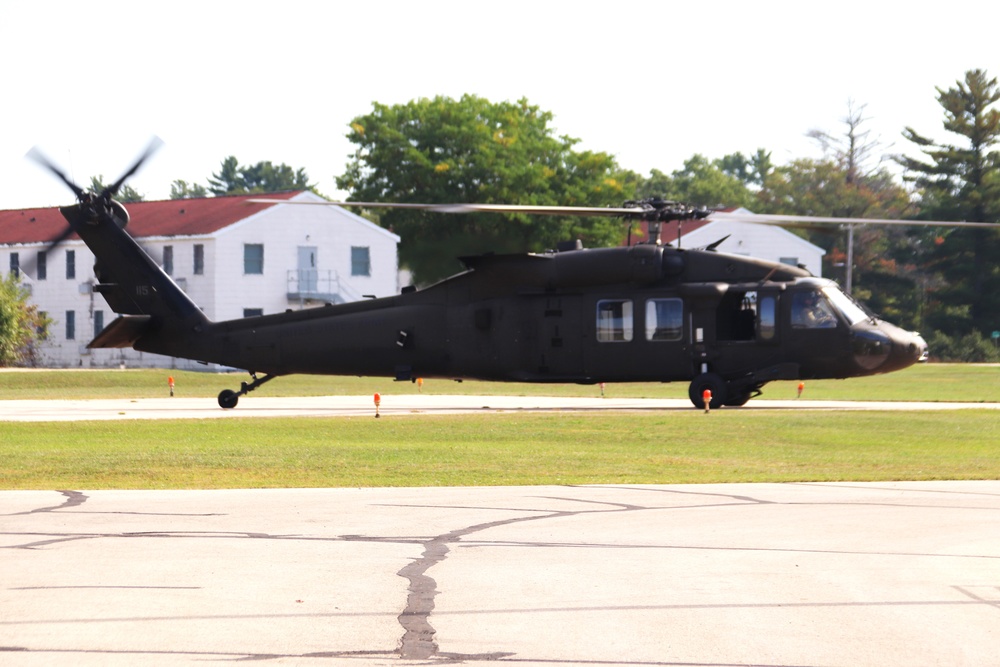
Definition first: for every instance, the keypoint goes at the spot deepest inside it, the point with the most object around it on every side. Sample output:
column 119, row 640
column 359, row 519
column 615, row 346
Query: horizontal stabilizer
column 123, row 332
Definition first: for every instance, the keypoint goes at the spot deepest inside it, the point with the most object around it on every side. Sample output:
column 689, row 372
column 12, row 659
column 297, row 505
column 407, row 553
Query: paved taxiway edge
column 397, row 405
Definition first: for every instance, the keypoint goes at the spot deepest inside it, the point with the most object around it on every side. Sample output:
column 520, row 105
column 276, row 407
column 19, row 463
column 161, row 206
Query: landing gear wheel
column 714, row 383
column 228, row 399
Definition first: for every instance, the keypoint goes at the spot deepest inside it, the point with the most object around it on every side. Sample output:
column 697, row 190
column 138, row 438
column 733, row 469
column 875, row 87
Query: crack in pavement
column 418, row 642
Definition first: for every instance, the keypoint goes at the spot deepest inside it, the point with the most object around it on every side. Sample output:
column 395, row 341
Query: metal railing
column 317, row 285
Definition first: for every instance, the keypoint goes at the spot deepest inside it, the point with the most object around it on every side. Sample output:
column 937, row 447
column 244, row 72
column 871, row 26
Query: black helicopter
column 649, row 312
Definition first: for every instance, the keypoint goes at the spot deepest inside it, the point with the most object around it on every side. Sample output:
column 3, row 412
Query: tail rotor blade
column 36, row 155
column 111, row 190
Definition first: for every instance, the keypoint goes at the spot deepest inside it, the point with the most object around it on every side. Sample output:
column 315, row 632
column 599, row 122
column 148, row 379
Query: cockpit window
column 846, row 305
column 811, row 310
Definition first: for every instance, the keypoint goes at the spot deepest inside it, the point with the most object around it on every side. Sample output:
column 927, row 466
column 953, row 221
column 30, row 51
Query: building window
column 253, row 312
column 70, row 264
column 790, row 261
column 199, row 259
column 41, row 265
column 15, row 264
column 98, row 322
column 253, row 258
column 168, row 260
column 42, row 330
column 664, row 319
column 614, row 320
column 361, row 264
column 70, row 325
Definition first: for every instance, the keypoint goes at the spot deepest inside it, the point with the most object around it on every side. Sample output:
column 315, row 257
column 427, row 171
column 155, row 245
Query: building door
column 308, row 275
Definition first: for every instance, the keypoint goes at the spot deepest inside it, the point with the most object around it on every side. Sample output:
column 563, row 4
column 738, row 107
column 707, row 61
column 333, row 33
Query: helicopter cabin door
column 551, row 333
column 637, row 338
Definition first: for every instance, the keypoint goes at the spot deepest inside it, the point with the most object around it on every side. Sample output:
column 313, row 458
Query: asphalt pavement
column 761, row 574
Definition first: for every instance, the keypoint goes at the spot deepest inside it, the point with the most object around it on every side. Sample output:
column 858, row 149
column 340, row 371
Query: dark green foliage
column 962, row 182
column 21, row 325
column 471, row 150
column 234, row 179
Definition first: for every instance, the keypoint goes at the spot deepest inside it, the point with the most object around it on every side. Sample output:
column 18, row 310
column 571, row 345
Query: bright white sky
column 649, row 82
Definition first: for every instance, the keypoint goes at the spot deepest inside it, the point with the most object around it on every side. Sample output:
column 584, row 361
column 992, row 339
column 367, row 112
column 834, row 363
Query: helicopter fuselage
column 726, row 323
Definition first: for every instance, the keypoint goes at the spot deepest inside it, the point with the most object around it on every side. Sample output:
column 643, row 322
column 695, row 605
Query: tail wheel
column 228, row 399
column 714, row 383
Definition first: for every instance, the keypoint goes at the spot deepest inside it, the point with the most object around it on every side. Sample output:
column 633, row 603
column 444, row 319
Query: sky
column 652, row 83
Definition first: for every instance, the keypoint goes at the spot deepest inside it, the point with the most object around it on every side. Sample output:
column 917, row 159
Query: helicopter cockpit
column 876, row 345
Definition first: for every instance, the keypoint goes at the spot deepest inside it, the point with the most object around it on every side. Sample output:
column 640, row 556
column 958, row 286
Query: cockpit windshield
column 849, row 308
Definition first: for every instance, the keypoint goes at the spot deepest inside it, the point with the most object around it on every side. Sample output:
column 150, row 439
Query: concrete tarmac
column 762, row 574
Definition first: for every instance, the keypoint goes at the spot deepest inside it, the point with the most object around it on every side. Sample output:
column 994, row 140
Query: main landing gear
column 229, row 398
column 734, row 393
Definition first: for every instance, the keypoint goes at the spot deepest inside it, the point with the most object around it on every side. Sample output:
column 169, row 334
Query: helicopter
column 726, row 324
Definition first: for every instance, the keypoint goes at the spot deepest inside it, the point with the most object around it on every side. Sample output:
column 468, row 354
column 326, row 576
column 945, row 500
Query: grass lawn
column 501, row 449
column 508, row 449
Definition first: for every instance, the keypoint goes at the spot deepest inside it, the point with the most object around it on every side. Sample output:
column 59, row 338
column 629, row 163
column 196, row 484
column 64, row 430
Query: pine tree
column 962, row 182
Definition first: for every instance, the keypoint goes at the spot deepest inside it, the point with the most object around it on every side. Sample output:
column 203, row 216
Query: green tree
column 702, row 182
column 752, row 171
column 21, row 325
column 234, row 179
column 962, row 182
column 470, row 150
column 126, row 193
column 183, row 190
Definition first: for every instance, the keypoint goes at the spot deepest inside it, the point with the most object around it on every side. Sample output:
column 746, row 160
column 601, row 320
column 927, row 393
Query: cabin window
column 614, row 320
column 41, row 267
column 199, row 259
column 253, row 258
column 70, row 264
column 168, row 260
column 664, row 319
column 767, row 327
column 15, row 264
column 361, row 264
column 70, row 325
column 811, row 310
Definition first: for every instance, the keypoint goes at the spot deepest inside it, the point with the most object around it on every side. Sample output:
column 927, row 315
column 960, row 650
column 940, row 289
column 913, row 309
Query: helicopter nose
column 888, row 348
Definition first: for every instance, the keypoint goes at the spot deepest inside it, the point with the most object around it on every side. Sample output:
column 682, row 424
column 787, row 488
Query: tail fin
column 157, row 316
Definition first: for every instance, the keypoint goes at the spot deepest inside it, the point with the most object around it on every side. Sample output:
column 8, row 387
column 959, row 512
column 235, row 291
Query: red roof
column 668, row 232
column 174, row 217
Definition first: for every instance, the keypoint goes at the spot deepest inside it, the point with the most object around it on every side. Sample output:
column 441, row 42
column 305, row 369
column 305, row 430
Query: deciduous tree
column 471, row 150
column 21, row 325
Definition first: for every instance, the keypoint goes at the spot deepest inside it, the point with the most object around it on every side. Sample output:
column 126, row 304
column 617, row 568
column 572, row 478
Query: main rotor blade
column 470, row 208
column 809, row 220
column 154, row 145
column 36, row 155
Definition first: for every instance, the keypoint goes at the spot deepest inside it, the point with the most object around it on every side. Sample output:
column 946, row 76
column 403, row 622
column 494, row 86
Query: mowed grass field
column 502, row 449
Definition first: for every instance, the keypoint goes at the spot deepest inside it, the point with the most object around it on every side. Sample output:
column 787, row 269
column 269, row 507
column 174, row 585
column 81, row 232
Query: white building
column 768, row 242
column 233, row 258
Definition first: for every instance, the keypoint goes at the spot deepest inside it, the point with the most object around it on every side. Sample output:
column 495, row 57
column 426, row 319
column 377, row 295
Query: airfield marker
column 378, row 400
column 706, row 397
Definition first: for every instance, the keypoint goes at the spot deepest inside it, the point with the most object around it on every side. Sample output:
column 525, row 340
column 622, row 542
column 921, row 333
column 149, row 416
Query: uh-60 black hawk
column 648, row 312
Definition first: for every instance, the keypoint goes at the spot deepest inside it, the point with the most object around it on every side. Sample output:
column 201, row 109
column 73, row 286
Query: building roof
column 173, row 217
